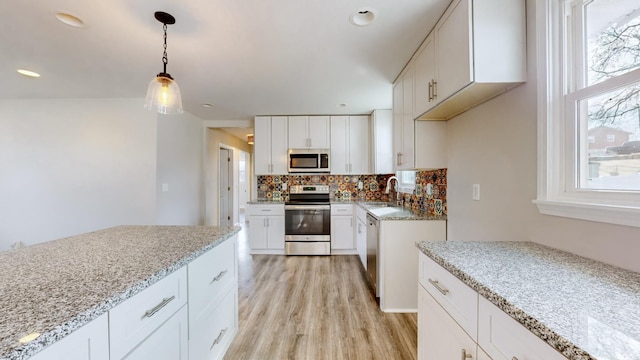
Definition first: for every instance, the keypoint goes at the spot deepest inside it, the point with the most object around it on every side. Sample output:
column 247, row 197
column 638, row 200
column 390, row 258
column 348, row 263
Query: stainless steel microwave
column 308, row 160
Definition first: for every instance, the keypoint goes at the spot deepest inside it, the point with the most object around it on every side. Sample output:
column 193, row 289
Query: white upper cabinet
column 403, row 130
column 270, row 147
column 349, row 144
column 381, row 142
column 309, row 132
column 476, row 51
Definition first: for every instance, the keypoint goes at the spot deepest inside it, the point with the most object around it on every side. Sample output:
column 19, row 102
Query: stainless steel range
column 307, row 220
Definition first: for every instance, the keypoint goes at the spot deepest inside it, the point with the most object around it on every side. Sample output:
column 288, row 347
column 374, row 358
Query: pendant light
column 163, row 94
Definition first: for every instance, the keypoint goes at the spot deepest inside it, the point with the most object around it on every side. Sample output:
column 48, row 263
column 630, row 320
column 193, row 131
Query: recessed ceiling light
column 207, row 105
column 363, row 17
column 69, row 19
column 28, row 73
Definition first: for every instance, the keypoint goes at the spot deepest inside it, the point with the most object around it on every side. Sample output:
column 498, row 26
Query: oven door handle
column 307, row 207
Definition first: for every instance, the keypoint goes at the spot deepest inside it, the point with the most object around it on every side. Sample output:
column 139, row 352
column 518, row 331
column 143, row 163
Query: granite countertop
column 56, row 287
column 268, row 202
column 381, row 211
column 583, row 308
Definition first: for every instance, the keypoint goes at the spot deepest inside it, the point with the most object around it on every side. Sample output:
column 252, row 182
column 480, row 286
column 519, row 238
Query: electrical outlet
column 476, row 192
column 360, row 185
column 283, row 186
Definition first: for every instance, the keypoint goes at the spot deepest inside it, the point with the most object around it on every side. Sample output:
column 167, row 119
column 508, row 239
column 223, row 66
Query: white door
column 225, row 187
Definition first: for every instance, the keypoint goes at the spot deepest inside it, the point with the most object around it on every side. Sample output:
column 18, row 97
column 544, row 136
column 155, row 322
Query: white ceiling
column 246, row 57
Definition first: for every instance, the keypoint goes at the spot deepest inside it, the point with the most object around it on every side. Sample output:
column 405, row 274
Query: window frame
column 557, row 193
column 406, row 187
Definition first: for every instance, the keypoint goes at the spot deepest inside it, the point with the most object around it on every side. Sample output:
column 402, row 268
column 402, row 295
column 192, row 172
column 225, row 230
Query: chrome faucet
column 399, row 202
column 386, row 191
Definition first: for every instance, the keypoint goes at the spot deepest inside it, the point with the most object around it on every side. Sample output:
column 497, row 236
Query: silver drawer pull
column 219, row 338
column 436, row 284
column 514, row 358
column 465, row 355
column 155, row 309
column 220, row 275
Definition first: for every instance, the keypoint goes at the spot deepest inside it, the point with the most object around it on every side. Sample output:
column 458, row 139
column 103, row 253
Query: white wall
column 180, row 167
column 494, row 145
column 74, row 165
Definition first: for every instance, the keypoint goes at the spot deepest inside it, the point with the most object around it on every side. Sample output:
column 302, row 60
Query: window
column 591, row 69
column 407, row 181
column 592, row 139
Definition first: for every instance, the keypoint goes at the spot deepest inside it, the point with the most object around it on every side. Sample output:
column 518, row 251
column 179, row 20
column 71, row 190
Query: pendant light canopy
column 163, row 94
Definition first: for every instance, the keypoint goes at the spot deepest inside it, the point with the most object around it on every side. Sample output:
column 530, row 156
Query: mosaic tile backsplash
column 345, row 188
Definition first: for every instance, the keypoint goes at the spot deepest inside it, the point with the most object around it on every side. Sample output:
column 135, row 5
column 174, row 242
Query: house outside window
column 589, row 59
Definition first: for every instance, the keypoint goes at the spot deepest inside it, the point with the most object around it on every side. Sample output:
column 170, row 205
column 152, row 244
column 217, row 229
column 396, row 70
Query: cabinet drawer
column 503, row 338
column 168, row 342
column 211, row 334
column 137, row 317
column 459, row 300
column 341, row 209
column 211, row 275
column 266, row 209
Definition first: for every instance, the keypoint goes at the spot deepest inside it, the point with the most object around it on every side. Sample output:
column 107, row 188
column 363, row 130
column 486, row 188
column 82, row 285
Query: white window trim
column 553, row 198
column 403, row 187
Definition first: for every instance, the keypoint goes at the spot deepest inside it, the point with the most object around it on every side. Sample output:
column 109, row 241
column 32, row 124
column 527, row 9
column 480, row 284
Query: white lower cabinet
column 168, row 342
column 266, row 228
column 131, row 322
column 342, row 229
column 90, row 342
column 504, row 338
column 212, row 333
column 454, row 322
column 440, row 337
column 213, row 302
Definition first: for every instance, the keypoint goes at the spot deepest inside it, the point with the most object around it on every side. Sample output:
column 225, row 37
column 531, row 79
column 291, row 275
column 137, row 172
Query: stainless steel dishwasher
column 372, row 253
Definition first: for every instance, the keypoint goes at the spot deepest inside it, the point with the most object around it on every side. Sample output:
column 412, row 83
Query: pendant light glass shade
column 163, row 95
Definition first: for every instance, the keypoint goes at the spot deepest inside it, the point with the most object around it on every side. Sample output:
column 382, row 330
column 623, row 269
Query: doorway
column 226, row 181
column 243, row 184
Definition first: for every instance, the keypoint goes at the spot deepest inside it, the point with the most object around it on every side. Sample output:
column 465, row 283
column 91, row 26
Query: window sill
column 612, row 214
column 406, row 189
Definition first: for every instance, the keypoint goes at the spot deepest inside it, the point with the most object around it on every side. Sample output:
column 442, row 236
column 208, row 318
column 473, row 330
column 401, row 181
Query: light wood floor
column 314, row 307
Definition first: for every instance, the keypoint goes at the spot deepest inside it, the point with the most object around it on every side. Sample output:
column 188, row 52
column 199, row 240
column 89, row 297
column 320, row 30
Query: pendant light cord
column 165, row 59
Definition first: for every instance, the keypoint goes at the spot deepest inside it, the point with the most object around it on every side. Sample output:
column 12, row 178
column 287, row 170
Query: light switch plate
column 165, row 187
column 476, row 192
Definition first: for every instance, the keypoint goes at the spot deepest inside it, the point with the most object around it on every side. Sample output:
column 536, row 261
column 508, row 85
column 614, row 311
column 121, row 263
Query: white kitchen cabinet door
column 439, row 336
column 266, row 232
column 340, row 145
column 342, row 228
column 349, row 144
column 90, row 342
column 503, row 338
column 403, row 123
column 425, row 77
column 309, row 132
column 454, row 54
column 212, row 333
column 168, row 342
column 359, row 144
column 319, row 132
column 381, row 142
column 270, row 147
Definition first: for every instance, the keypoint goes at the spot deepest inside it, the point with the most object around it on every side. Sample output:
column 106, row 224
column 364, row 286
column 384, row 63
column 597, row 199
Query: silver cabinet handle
column 265, row 210
column 436, row 284
column 219, row 338
column 465, row 355
column 435, row 89
column 219, row 276
column 514, row 358
column 430, row 91
column 149, row 313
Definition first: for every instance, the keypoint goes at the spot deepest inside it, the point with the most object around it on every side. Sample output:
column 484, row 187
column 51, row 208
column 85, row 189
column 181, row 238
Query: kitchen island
column 577, row 307
column 55, row 288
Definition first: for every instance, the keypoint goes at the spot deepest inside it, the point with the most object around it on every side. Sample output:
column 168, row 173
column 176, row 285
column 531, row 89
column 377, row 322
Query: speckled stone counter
column 268, row 202
column 56, row 287
column 583, row 308
column 396, row 213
